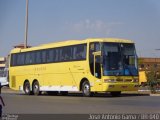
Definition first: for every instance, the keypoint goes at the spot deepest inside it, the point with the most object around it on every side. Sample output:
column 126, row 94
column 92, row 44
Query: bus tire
column 116, row 94
column 26, row 88
column 86, row 90
column 35, row 88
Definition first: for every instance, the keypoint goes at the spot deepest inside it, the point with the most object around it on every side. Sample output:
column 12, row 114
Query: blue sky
column 57, row 20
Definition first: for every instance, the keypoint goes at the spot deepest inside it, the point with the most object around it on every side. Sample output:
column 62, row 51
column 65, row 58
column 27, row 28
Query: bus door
column 97, row 71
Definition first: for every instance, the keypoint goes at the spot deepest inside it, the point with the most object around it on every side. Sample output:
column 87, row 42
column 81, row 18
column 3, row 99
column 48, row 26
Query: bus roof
column 71, row 42
column 116, row 40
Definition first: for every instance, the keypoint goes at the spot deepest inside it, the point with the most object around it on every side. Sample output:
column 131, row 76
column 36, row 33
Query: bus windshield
column 119, row 59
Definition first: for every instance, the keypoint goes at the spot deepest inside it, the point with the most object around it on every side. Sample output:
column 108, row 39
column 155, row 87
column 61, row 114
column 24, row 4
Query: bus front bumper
column 109, row 87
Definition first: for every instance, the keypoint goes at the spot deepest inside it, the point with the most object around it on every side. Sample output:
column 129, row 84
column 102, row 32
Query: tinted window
column 79, row 52
column 50, row 55
column 13, row 60
column 61, row 54
column 44, row 55
column 38, row 57
column 27, row 59
column 55, row 55
column 32, row 57
column 20, row 59
column 66, row 54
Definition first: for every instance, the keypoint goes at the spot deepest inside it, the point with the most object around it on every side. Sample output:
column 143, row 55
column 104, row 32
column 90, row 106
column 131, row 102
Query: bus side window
column 27, row 58
column 13, row 59
column 61, row 57
column 66, row 53
column 74, row 52
column 32, row 57
column 44, row 56
column 22, row 58
column 56, row 55
column 38, row 57
column 49, row 55
column 19, row 56
column 79, row 52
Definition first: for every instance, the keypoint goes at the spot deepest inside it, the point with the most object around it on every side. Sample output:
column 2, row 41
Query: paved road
column 18, row 103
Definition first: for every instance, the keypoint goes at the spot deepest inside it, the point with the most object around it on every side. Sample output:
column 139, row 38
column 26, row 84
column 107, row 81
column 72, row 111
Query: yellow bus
column 90, row 65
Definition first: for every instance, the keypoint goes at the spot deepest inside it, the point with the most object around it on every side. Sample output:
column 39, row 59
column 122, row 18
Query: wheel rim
column 27, row 89
column 36, row 89
column 86, row 89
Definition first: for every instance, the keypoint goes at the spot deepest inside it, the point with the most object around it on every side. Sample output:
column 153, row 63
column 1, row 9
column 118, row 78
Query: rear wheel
column 36, row 90
column 86, row 89
column 26, row 88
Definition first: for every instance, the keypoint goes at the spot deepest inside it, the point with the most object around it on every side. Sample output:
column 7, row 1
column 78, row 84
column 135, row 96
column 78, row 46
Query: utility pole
column 26, row 25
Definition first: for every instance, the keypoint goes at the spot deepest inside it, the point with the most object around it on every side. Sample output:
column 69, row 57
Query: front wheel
column 36, row 90
column 86, row 90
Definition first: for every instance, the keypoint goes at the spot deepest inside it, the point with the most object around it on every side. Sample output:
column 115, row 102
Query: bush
column 152, row 80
